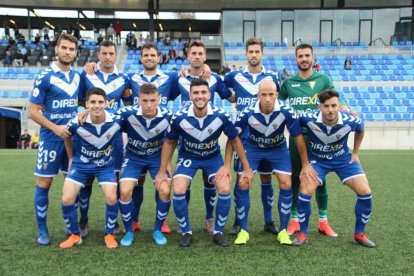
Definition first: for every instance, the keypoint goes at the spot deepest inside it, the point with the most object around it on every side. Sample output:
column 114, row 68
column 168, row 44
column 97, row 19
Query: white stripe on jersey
column 147, row 134
column 69, row 88
column 109, row 87
column 251, row 88
column 157, row 82
column 205, row 133
column 267, row 130
column 96, row 141
column 328, row 139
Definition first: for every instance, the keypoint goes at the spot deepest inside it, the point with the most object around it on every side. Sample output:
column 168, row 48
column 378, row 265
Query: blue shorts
column 188, row 167
column 51, row 159
column 278, row 159
column 264, row 167
column 345, row 171
column 118, row 153
column 133, row 168
column 105, row 176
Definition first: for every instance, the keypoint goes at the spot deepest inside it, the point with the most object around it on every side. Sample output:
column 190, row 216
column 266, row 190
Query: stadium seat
column 378, row 117
column 397, row 117
column 388, row 117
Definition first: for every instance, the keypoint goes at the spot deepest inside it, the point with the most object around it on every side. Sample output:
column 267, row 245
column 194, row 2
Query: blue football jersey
column 246, row 85
column 215, row 84
column 145, row 135
column 113, row 84
column 93, row 144
column 166, row 82
column 330, row 142
column 57, row 92
column 267, row 130
column 200, row 135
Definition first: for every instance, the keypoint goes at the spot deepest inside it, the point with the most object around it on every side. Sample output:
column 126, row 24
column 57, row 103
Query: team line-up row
column 93, row 144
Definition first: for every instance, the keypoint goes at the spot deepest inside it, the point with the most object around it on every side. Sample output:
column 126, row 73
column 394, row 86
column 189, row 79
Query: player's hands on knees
column 355, row 158
column 90, row 68
column 246, row 175
column 61, row 131
column 82, row 116
column 160, row 178
column 222, row 174
column 309, row 173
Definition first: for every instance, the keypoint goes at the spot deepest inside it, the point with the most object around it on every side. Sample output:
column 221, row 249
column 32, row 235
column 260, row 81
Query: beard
column 64, row 62
column 149, row 67
column 303, row 69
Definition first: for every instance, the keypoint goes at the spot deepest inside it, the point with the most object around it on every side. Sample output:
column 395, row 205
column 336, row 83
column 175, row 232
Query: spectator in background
column 45, row 32
column 110, row 32
column 19, row 59
column 179, row 54
column 167, row 40
column 140, row 42
column 76, row 31
column 100, row 39
column 224, row 70
column 24, row 142
column 234, row 68
column 34, row 141
column 6, row 29
column 118, row 30
column 7, row 59
column 347, row 64
column 163, row 58
column 286, row 73
column 37, row 38
column 316, row 66
column 172, row 54
column 240, row 67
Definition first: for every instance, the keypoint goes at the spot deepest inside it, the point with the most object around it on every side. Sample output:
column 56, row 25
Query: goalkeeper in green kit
column 301, row 90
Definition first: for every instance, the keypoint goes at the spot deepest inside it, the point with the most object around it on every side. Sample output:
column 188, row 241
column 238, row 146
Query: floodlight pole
column 151, row 12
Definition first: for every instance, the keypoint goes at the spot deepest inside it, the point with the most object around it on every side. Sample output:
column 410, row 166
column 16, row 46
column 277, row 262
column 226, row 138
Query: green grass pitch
column 390, row 227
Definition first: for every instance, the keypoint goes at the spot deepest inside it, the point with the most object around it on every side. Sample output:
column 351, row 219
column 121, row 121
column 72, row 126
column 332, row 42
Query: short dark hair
column 148, row 88
column 197, row 43
column 95, row 91
column 327, row 94
column 67, row 37
column 254, row 41
column 107, row 43
column 198, row 82
column 303, row 46
column 150, row 45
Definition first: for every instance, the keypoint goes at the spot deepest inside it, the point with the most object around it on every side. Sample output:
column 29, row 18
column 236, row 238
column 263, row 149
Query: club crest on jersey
column 274, row 126
column 338, row 136
column 45, row 166
column 108, row 136
column 35, row 92
column 210, row 130
column 157, row 131
column 312, row 84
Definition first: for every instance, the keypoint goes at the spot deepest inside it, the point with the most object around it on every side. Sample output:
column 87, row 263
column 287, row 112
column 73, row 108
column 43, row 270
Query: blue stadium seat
column 378, row 117
column 370, row 102
column 383, row 109
column 379, row 102
column 364, row 109
column 369, row 117
column 407, row 116
column 374, row 109
column 397, row 117
column 388, row 117
column 410, row 95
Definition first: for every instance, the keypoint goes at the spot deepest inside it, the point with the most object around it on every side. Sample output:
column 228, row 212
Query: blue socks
column 161, row 213
column 267, row 201
column 242, row 208
column 41, row 203
column 70, row 216
column 84, row 199
column 181, row 212
column 126, row 213
column 304, row 209
column 363, row 208
column 111, row 216
column 284, row 206
column 222, row 212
